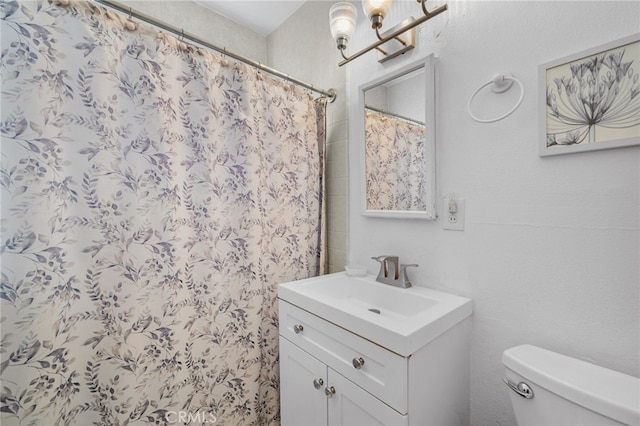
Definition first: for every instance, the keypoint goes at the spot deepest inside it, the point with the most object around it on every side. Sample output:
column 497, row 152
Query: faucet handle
column 384, row 258
column 406, row 282
column 383, row 265
column 384, row 270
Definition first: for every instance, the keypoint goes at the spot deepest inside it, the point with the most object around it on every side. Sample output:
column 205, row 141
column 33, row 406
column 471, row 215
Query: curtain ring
column 181, row 44
column 130, row 25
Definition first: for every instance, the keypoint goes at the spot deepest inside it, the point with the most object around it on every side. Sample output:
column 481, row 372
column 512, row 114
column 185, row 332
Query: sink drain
column 375, row 311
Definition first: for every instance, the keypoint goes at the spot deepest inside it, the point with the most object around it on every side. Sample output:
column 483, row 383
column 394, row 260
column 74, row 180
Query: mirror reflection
column 396, row 163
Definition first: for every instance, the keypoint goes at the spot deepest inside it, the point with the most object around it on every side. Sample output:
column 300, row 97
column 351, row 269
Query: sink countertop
column 408, row 319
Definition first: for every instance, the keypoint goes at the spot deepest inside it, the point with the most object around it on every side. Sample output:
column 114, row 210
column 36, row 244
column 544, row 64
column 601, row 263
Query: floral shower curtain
column 394, row 162
column 153, row 195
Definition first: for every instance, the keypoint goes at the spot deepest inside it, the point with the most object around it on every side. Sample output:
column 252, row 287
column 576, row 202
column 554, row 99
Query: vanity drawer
column 383, row 373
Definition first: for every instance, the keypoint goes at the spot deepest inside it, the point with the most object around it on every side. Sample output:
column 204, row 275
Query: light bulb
column 342, row 19
column 376, row 9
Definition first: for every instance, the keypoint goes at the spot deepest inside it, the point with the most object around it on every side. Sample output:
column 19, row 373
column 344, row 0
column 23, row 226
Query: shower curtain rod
column 330, row 94
column 390, row 114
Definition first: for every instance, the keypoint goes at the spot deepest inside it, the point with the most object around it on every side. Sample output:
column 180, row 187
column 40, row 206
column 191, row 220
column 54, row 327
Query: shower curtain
column 153, row 196
column 395, row 163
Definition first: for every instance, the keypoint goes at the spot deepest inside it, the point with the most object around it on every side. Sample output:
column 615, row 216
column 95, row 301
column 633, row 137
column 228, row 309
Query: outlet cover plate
column 455, row 221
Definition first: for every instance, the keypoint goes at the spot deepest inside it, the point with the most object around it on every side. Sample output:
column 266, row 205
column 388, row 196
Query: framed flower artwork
column 591, row 100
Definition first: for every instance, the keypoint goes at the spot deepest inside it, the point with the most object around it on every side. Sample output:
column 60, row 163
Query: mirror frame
column 428, row 64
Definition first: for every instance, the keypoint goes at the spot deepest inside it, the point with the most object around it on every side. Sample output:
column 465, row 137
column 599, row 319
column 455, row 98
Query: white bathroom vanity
column 357, row 352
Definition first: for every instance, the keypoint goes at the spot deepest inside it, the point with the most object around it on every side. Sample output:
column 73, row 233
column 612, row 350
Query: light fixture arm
column 394, row 35
column 342, row 49
column 423, row 3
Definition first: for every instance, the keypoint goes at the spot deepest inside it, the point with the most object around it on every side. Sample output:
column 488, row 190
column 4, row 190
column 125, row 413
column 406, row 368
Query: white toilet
column 547, row 388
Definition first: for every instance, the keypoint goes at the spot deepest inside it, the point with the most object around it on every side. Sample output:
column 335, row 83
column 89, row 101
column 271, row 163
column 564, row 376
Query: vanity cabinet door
column 382, row 372
column 351, row 405
column 302, row 384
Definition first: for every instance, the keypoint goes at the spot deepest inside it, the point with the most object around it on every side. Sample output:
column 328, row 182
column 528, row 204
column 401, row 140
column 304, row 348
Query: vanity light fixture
column 342, row 17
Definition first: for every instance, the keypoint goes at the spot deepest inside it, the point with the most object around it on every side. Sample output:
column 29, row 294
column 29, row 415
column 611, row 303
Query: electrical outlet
column 453, row 214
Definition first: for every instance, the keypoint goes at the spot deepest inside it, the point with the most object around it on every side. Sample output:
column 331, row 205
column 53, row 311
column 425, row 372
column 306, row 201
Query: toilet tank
column 568, row 391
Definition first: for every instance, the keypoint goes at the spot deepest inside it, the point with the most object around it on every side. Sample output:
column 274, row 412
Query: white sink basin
column 401, row 320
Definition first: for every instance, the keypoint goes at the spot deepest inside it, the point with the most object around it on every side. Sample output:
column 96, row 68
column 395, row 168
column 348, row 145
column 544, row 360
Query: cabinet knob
column 298, row 328
column 330, row 391
column 358, row 363
column 317, row 383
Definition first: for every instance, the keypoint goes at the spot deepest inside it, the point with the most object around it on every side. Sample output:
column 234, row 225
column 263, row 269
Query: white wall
column 551, row 247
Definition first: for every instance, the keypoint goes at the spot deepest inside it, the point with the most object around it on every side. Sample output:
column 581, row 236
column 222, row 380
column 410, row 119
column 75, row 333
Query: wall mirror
column 397, row 113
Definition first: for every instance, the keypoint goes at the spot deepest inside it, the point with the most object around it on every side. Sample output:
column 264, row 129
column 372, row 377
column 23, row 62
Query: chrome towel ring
column 500, row 83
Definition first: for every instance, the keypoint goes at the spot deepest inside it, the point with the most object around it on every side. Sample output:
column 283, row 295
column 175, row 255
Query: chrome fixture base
column 341, row 43
column 376, row 21
column 400, row 44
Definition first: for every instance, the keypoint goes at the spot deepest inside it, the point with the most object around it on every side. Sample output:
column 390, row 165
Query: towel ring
column 501, row 83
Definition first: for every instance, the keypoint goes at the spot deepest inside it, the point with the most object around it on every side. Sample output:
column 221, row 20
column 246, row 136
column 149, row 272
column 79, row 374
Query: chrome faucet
column 392, row 273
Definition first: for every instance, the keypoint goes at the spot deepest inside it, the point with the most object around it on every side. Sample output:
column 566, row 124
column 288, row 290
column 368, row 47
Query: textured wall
column 551, row 247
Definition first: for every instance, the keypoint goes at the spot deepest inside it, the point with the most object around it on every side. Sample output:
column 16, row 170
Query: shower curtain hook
column 130, row 25
column 181, row 44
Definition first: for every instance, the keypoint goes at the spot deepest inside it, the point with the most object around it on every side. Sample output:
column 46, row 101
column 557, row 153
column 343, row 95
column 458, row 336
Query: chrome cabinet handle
column 330, row 391
column 522, row 389
column 317, row 383
column 298, row 328
column 358, row 363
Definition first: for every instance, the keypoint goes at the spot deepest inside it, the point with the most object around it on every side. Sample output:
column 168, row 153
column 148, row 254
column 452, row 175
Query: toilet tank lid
column 607, row 392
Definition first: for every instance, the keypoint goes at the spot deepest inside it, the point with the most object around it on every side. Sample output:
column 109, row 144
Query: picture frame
column 590, row 100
